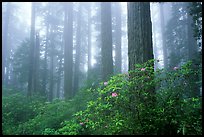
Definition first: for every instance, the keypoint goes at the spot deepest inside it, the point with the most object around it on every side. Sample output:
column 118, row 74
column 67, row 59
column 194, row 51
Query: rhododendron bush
column 142, row 101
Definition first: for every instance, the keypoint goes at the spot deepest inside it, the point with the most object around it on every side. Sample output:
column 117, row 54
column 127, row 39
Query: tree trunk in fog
column 68, row 49
column 78, row 52
column 192, row 51
column 51, row 65
column 89, row 41
column 140, row 47
column 32, row 42
column 4, row 43
column 98, row 55
column 118, row 58
column 44, row 77
column 106, row 37
column 59, row 74
column 155, row 51
column 163, row 34
column 36, row 65
column 154, row 42
column 192, row 45
column 124, row 47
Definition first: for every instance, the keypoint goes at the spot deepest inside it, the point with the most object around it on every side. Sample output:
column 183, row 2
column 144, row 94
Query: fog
column 49, row 24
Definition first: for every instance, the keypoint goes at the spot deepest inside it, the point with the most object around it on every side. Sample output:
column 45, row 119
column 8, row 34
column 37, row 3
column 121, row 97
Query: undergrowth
column 142, row 101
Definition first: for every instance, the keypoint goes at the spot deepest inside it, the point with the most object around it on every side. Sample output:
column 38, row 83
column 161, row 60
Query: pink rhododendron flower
column 175, row 68
column 142, row 69
column 105, row 83
column 81, row 123
column 114, row 94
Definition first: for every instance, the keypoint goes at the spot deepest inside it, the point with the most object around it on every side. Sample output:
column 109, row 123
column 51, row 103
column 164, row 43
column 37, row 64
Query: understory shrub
column 142, row 101
column 35, row 116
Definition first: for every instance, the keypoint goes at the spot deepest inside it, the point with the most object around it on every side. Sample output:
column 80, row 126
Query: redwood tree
column 32, row 40
column 106, row 37
column 68, row 50
column 140, row 47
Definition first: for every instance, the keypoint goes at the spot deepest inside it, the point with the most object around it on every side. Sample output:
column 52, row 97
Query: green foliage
column 17, row 109
column 34, row 116
column 50, row 115
column 141, row 102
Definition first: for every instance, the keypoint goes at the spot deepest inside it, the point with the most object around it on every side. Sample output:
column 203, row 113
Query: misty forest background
column 75, row 68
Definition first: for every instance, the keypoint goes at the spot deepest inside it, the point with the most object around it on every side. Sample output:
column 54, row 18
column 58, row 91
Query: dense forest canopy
column 75, row 68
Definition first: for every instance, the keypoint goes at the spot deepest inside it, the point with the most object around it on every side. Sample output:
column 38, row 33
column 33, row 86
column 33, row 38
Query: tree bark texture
column 140, row 47
column 106, row 37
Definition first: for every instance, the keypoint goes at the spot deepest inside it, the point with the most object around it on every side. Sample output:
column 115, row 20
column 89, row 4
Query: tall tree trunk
column 78, row 52
column 118, row 58
column 162, row 19
column 106, row 37
column 59, row 74
column 32, row 38
column 192, row 52
column 155, row 43
column 36, row 64
column 89, row 41
column 68, row 55
column 192, row 45
column 140, row 47
column 45, row 63
column 155, row 52
column 51, row 65
column 4, row 42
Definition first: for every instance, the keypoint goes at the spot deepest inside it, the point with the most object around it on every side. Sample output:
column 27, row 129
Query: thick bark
column 68, row 49
column 106, row 37
column 78, row 52
column 118, row 58
column 32, row 38
column 140, row 47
